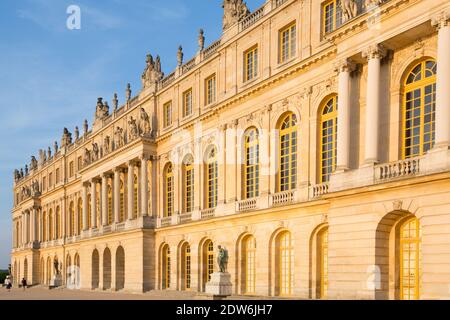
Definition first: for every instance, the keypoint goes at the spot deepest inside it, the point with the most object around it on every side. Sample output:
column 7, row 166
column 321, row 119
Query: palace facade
column 311, row 141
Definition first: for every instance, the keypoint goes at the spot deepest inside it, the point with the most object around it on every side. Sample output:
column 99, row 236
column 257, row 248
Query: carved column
column 153, row 186
column 130, row 189
column 116, row 195
column 85, row 207
column 32, row 225
column 442, row 23
column 344, row 68
column 94, row 203
column 104, row 213
column 374, row 54
column 144, row 185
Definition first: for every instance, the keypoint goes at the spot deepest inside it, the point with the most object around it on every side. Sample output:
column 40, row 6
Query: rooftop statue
column 233, row 12
column 66, row 138
column 101, row 110
column 152, row 72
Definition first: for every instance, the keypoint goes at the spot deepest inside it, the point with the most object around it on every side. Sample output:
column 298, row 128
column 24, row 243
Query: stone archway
column 107, row 269
column 120, row 268
column 95, row 269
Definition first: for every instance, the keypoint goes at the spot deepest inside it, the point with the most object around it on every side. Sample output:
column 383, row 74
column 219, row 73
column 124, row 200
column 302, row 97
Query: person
column 24, row 284
column 8, row 284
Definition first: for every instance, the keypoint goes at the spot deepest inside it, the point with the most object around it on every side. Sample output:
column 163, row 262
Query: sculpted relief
column 233, row 11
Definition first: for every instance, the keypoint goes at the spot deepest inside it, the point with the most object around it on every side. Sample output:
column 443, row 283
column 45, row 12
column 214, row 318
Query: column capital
column 132, row 163
column 107, row 175
column 344, row 65
column 145, row 157
column 95, row 180
column 118, row 170
column 375, row 51
column 441, row 20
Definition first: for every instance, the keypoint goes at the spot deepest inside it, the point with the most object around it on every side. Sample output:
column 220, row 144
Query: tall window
column 322, row 246
column 80, row 216
column 122, row 201
column 251, row 64
column 187, row 267
column 419, row 105
column 286, row 264
column 328, row 138
column 251, row 171
column 110, row 205
column 44, row 226
column 58, row 223
column 209, row 260
column 135, row 197
column 331, row 15
column 210, row 89
column 187, row 103
column 250, row 265
column 287, row 40
column 50, row 180
column 169, row 190
column 288, row 153
column 189, row 184
column 50, row 225
column 212, row 177
column 409, row 259
column 72, row 218
column 57, row 176
column 71, row 169
column 167, row 108
column 166, row 267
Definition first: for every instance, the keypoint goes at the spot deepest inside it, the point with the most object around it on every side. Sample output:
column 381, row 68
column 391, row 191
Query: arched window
column 328, row 138
column 212, row 177
column 207, row 261
column 80, row 216
column 419, row 104
column 251, row 163
column 122, row 201
column 58, row 222
column 322, row 263
column 285, row 264
column 135, row 197
column 166, row 267
column 249, row 259
column 287, row 171
column 110, row 204
column 168, row 190
column 409, row 259
column 189, row 184
column 50, row 225
column 72, row 219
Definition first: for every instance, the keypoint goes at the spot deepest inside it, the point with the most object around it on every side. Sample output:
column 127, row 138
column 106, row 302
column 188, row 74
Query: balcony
column 246, row 205
column 283, row 198
column 319, row 190
column 166, row 221
column 397, row 170
column 185, row 217
column 208, row 213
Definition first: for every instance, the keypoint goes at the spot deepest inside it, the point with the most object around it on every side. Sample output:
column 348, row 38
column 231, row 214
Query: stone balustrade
column 246, row 205
column 282, row 198
column 166, row 221
column 208, row 213
column 319, row 189
column 185, row 217
column 398, row 169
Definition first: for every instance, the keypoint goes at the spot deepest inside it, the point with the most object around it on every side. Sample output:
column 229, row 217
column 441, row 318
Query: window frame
column 187, row 107
column 291, row 43
column 167, row 114
column 210, row 95
column 253, row 53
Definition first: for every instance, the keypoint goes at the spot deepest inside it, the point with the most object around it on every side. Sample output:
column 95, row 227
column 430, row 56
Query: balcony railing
column 283, row 198
column 252, row 19
column 185, row 217
column 245, row 205
column 319, row 189
column 398, row 169
column 211, row 49
column 208, row 213
column 166, row 221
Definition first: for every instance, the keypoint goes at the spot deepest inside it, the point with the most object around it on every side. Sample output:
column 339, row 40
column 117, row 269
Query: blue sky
column 50, row 76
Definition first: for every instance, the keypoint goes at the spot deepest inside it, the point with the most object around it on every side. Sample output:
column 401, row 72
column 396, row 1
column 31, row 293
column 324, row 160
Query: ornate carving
column 201, row 40
column 128, row 92
column 349, row 9
column 66, row 138
column 95, row 152
column 144, row 122
column 101, row 110
column 152, row 72
column 49, row 153
column 344, row 65
column 133, row 129
column 34, row 163
column 86, row 157
column 55, row 148
column 376, row 51
column 106, row 145
column 77, row 133
column 118, row 138
column 233, row 11
column 35, row 187
column 180, row 56
column 397, row 205
column 441, row 20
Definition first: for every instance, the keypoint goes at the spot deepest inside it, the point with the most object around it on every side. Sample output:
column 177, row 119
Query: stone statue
column 233, row 11
column 180, row 56
column 35, row 186
column 86, row 157
column 21, row 173
column 201, row 40
column 66, row 138
column 373, row 3
column 85, row 127
column 95, row 152
column 133, row 129
column 118, row 138
column 56, row 266
column 222, row 259
column 349, row 9
column 144, row 124
column 55, row 147
column 77, row 133
column 16, row 175
column 49, row 153
column 128, row 92
column 26, row 169
column 101, row 110
column 152, row 72
column 34, row 163
column 106, row 145
column 115, row 102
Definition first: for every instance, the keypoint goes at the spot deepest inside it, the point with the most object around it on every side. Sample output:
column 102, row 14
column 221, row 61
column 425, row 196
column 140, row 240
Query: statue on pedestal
column 222, row 259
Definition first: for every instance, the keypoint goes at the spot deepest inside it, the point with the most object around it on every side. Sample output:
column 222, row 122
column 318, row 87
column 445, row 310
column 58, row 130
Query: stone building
column 311, row 141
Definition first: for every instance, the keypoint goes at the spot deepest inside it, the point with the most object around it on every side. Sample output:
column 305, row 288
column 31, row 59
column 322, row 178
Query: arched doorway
column 95, row 269
column 398, row 256
column 185, row 267
column 322, row 262
column 42, row 272
column 106, row 269
column 69, row 271
column 284, row 264
column 207, row 262
column 120, row 268
column 165, row 267
column 248, row 264
column 77, row 271
column 49, row 271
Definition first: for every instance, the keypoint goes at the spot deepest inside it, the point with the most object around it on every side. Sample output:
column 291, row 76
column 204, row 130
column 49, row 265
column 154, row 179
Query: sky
column 51, row 76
